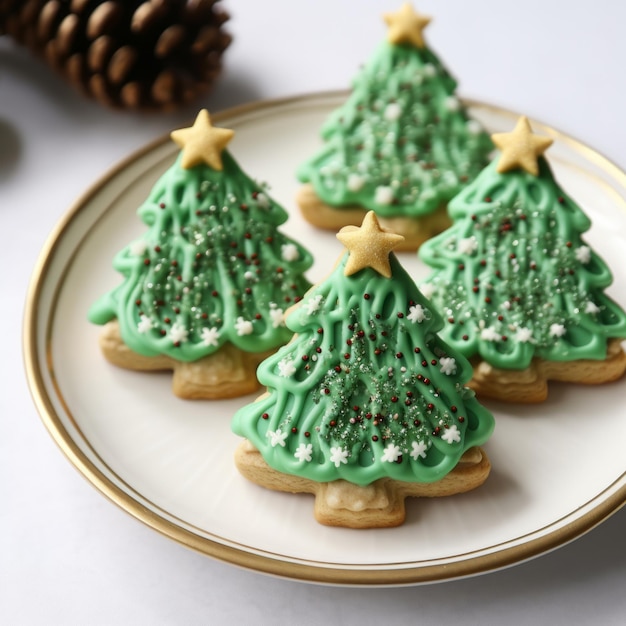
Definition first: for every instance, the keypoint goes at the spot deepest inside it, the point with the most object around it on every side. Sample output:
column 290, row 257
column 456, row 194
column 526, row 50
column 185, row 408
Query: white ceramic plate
column 558, row 468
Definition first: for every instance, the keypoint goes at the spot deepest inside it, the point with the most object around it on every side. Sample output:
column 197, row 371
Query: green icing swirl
column 514, row 277
column 366, row 388
column 212, row 268
column 402, row 144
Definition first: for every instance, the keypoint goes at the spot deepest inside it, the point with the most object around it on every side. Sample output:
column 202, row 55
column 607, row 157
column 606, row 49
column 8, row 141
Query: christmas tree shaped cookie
column 366, row 405
column 402, row 145
column 205, row 287
column 522, row 293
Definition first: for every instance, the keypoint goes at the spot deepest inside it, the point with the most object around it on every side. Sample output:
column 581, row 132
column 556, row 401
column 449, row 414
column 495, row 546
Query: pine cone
column 134, row 54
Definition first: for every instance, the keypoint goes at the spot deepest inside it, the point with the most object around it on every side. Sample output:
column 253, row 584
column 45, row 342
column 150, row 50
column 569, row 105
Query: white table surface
column 68, row 556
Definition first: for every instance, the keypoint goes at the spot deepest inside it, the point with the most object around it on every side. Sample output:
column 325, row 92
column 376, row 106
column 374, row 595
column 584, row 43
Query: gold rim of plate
column 499, row 556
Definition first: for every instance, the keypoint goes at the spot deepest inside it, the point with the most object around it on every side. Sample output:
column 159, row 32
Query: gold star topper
column 368, row 246
column 520, row 148
column 202, row 142
column 406, row 26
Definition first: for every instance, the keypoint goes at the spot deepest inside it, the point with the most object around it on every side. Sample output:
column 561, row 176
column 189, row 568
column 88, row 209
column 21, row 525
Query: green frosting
column 212, row 268
column 402, row 144
column 514, row 278
column 366, row 388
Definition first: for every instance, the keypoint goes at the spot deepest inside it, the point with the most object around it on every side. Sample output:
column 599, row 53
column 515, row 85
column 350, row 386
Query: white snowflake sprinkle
column 262, row 200
column 524, row 335
column 304, row 452
column 557, row 330
column 178, row 333
column 474, row 127
column 417, row 314
column 592, row 307
column 338, row 456
column 289, row 252
column 451, row 435
column 313, row 304
column 243, row 327
column 452, row 104
column 383, row 195
column 138, row 248
column 429, row 70
column 144, row 325
column 277, row 438
column 418, row 449
column 355, row 182
column 210, row 336
column 248, row 275
column 583, row 254
column 286, row 368
column 489, row 334
column 391, row 453
column 467, row 245
column 277, row 316
column 392, row 111
column 448, row 365
column 428, row 290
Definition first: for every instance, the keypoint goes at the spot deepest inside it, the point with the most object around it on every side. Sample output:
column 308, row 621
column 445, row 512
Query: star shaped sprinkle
column 489, row 334
column 314, row 304
column 448, row 365
column 338, row 456
column 178, row 333
column 524, row 335
column 277, row 438
column 391, row 454
column 557, row 330
column 286, row 368
column 467, row 245
column 368, row 246
column 144, row 325
column 243, row 327
column 210, row 336
column 520, row 148
column 583, row 254
column 277, row 316
column 304, row 452
column 417, row 313
column 451, row 435
column 202, row 142
column 418, row 450
column 289, row 252
column 406, row 26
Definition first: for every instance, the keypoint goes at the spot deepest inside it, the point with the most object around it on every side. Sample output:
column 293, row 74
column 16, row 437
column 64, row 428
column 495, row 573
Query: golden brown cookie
column 227, row 373
column 415, row 231
column 204, row 288
column 530, row 385
column 365, row 406
column 379, row 505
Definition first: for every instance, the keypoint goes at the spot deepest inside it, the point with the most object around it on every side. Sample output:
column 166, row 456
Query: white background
column 71, row 557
